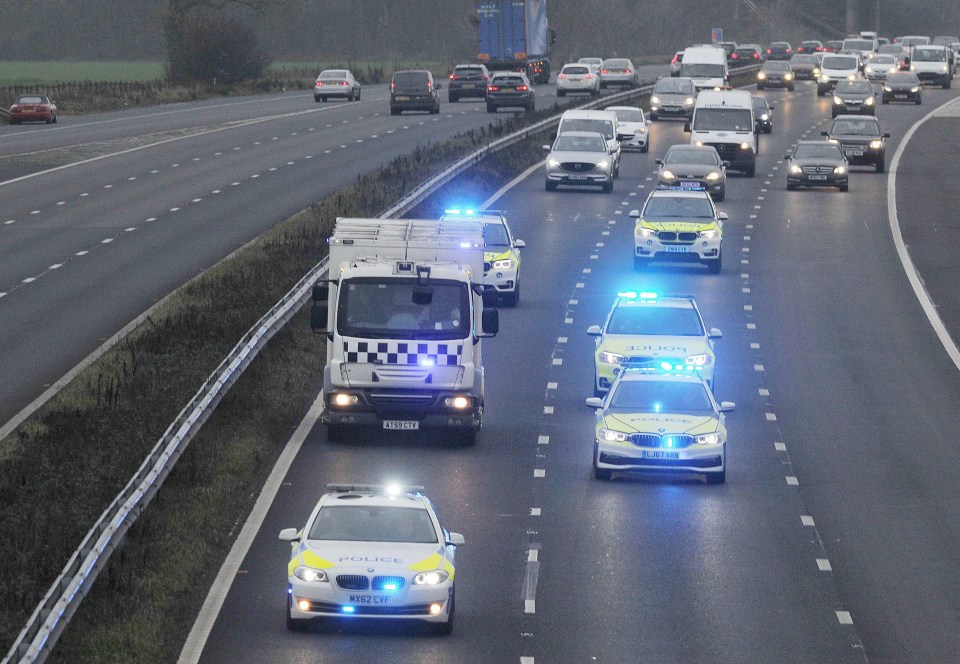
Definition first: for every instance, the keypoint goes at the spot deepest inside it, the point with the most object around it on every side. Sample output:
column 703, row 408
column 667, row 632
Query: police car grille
column 673, row 236
column 656, row 440
column 382, row 583
column 353, row 582
column 577, row 166
column 370, row 610
column 639, row 361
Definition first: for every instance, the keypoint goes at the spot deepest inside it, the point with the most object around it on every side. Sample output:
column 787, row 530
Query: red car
column 33, row 108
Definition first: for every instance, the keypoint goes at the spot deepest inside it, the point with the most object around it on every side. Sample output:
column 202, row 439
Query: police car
column 651, row 331
column 678, row 223
column 661, row 422
column 372, row 551
column 501, row 254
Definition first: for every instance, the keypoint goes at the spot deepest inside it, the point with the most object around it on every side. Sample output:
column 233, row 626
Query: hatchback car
column 509, row 90
column 861, row 140
column 593, row 63
column 579, row 158
column 467, row 81
column 577, row 78
column 881, row 66
column 676, row 63
column 33, row 108
column 855, row 96
column 618, row 72
column 749, row 54
column 810, row 46
column 414, row 90
column 775, row 74
column 780, row 50
column 762, row 114
column 633, row 130
column 370, row 552
column 902, row 86
column 805, row 66
column 730, row 48
column 817, row 164
column 694, row 166
column 336, row 83
column 673, row 97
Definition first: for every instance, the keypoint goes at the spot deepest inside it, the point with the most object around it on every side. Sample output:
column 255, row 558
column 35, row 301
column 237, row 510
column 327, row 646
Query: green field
column 44, row 72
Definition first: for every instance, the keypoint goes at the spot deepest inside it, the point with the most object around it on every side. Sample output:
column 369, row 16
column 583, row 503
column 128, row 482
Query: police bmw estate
column 645, row 330
column 371, row 551
column 660, row 422
column 678, row 223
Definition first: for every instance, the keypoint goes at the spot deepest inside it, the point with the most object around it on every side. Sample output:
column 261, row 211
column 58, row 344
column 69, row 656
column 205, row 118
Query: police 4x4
column 501, row 252
column 370, row 551
column 678, row 223
column 660, row 422
column 651, row 331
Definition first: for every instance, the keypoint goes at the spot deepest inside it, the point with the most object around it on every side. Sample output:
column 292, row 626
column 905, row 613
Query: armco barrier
column 53, row 613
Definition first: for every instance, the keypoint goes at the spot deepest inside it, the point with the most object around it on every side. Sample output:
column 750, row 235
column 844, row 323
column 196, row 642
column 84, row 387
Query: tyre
column 768, row 130
column 358, row 95
column 491, row 108
column 653, row 117
column 919, row 101
column 607, row 187
column 790, row 88
column 833, row 114
column 550, row 186
column 323, row 99
column 845, row 187
column 946, row 84
column 350, row 96
column 717, row 265
column 752, row 171
column 453, row 99
column 435, row 110
column 394, row 111
column 316, row 98
column 645, row 147
column 561, row 93
column 55, row 119
column 820, row 91
column 881, row 166
column 722, row 195
column 717, row 478
column 791, row 186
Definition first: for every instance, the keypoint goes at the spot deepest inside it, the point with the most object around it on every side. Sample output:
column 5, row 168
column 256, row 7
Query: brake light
column 319, row 84
column 788, row 50
column 769, row 50
column 485, row 77
column 344, row 83
column 522, row 88
column 429, row 85
column 733, row 56
column 392, row 86
column 603, row 71
column 756, row 55
column 453, row 77
column 493, row 88
column 628, row 72
column 563, row 76
column 819, row 48
column 588, row 76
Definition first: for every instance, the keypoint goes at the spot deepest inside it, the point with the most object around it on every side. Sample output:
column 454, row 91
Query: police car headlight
column 667, row 175
column 609, row 358
column 458, row 403
column 868, row 101
column 876, row 145
column 654, row 99
column 343, row 400
column 709, row 439
column 310, row 575
column 701, row 360
column 713, row 176
column 839, row 170
column 711, row 234
column 613, row 436
column 431, row 578
column 505, row 264
column 837, row 101
column 640, row 231
column 689, row 101
column 795, row 169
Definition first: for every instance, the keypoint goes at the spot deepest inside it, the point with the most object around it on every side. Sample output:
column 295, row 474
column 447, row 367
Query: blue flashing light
column 666, row 366
column 389, row 586
column 656, row 407
column 637, row 295
column 628, row 295
column 348, row 609
column 458, row 211
column 669, row 442
column 666, row 187
column 428, row 362
column 648, row 295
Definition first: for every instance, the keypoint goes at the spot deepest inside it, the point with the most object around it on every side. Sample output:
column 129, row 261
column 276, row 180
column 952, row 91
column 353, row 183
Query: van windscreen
column 723, row 119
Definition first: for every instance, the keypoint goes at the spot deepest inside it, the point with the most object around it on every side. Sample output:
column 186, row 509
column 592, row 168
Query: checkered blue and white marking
column 402, row 352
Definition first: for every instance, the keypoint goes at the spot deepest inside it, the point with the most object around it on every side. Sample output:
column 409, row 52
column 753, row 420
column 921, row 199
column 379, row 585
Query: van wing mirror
column 318, row 317
column 490, row 298
column 490, row 321
column 321, row 291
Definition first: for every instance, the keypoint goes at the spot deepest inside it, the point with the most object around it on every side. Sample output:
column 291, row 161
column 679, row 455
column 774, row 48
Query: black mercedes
column 861, row 140
column 817, row 164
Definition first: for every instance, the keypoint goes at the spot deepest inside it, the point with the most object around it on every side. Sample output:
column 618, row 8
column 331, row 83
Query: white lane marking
column 751, row 326
column 824, row 565
column 600, row 244
column 844, row 616
column 749, row 227
column 746, row 238
column 548, row 410
column 557, row 361
column 82, row 253
column 107, row 241
column 174, row 209
column 3, row 294
column 594, row 257
column 254, row 176
column 539, row 472
column 552, row 385
column 764, row 392
column 129, row 229
column 131, row 178
column 568, row 321
column 580, row 284
column 9, row 221
column 574, row 301
column 745, row 250
column 780, row 447
column 29, row 280
column 926, row 303
column 533, row 555
column 526, row 660
column 586, row 270
column 108, row 186
column 55, row 266
column 543, row 440
column 754, row 345
column 196, row 200
column 535, row 511
column 59, row 203
column 562, row 340
column 792, row 481
column 748, row 307
column 771, row 417
column 758, row 367
column 806, row 520
column 35, row 212
column 744, row 290
column 510, row 185
column 190, row 654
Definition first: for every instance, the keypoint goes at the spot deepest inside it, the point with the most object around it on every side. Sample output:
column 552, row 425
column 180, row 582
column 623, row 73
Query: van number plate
column 401, row 425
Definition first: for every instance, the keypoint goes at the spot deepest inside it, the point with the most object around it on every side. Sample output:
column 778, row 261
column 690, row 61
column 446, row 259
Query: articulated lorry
column 514, row 35
column 404, row 311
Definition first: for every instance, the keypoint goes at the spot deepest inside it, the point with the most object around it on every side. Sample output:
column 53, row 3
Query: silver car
column 577, row 78
column 593, row 63
column 336, row 83
column 618, row 71
column 579, row 158
column 673, row 97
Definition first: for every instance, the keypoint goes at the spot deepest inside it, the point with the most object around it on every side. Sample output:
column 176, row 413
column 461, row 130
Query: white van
column 724, row 120
column 931, row 64
column 706, row 65
column 865, row 47
column 836, row 67
column 604, row 122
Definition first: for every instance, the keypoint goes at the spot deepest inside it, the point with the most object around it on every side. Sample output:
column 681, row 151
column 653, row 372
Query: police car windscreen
column 661, row 397
column 604, row 127
column 495, row 235
column 678, row 207
column 655, row 321
column 402, row 308
column 722, row 119
column 702, row 70
column 372, row 523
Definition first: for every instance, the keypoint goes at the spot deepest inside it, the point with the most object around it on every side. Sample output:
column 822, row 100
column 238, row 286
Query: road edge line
column 207, row 618
column 913, row 276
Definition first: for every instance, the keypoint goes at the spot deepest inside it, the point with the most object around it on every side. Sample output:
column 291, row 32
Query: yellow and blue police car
column 501, row 253
column 372, row 551
column 646, row 330
column 678, row 224
column 654, row 421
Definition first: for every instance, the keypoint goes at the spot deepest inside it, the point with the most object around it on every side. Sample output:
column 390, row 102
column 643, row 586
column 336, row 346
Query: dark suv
column 467, row 81
column 414, row 90
column 861, row 140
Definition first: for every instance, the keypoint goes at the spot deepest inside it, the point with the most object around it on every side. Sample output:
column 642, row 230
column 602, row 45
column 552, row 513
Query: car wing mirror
column 594, row 330
column 715, row 333
column 824, row 133
column 289, row 535
column 635, row 214
column 722, row 216
column 455, row 539
column 519, row 244
column 788, row 156
column 727, row 406
column 546, row 148
column 886, row 134
column 595, row 402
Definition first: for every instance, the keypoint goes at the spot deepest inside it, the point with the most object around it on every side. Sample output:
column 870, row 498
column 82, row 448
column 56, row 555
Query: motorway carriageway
column 835, row 537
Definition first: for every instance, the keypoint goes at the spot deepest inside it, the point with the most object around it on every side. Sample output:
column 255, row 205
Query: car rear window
column 468, row 72
column 508, row 80
column 576, row 70
column 839, row 62
column 333, row 74
column 410, row 79
column 31, row 100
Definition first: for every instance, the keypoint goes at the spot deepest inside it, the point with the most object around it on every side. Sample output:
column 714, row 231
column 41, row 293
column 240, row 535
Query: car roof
column 623, row 108
column 663, row 302
column 376, row 495
column 678, row 193
column 634, row 375
column 581, row 134
column 687, row 147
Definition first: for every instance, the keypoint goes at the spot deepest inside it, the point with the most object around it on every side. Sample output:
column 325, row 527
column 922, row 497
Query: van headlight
column 654, row 99
column 745, row 146
column 689, row 101
column 613, row 436
column 943, row 69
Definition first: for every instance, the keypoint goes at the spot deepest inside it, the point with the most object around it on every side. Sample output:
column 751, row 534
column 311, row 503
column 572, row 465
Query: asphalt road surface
column 139, row 202
column 835, row 537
